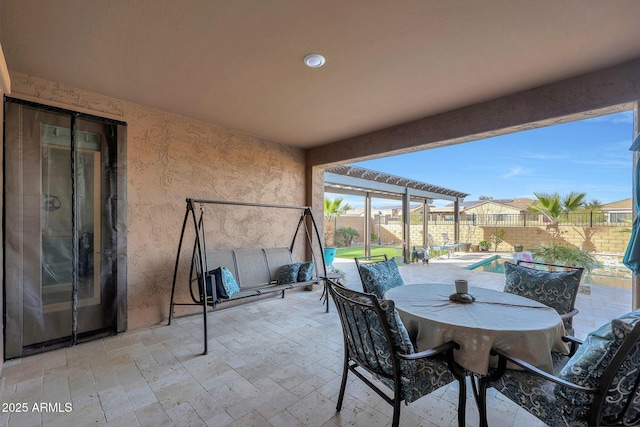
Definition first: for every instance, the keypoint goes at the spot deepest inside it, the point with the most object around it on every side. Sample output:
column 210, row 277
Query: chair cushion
column 590, row 361
column 305, row 273
column 288, row 273
column 418, row 377
column 379, row 277
column 556, row 289
column 534, row 393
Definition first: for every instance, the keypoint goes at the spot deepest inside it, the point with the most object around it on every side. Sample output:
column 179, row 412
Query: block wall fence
column 605, row 240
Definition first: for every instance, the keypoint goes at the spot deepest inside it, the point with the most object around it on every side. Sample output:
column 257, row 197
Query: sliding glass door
column 62, row 236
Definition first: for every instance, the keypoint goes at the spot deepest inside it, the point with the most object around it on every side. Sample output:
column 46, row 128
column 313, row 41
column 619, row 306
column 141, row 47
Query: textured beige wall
column 171, row 158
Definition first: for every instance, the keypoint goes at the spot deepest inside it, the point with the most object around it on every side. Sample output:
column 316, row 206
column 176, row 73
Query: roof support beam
column 604, row 91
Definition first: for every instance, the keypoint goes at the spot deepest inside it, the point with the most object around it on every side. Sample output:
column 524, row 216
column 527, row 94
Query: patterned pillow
column 398, row 331
column 210, row 279
column 226, row 284
column 306, row 271
column 379, row 277
column 229, row 283
column 588, row 364
column 288, row 273
column 556, row 289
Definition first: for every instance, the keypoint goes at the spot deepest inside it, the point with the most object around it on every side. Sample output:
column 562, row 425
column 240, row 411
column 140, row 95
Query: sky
column 589, row 156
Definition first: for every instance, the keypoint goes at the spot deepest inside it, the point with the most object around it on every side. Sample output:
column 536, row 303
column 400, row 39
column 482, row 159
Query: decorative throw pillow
column 556, row 289
column 229, row 283
column 306, row 271
column 288, row 273
column 226, row 284
column 214, row 276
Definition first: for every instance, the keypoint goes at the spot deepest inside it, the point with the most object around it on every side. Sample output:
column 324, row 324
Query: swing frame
column 198, row 273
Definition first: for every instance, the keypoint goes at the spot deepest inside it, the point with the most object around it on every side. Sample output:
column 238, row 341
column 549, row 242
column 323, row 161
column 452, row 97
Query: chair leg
column 462, row 401
column 483, row 384
column 343, row 386
column 396, row 411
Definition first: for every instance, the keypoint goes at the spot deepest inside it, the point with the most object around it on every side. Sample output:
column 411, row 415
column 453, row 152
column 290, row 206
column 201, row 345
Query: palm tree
column 553, row 207
column 333, row 209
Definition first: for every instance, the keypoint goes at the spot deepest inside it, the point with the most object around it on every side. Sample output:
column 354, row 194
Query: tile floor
column 271, row 363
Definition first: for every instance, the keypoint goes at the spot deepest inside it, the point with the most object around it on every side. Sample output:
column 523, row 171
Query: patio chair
column 596, row 386
column 378, row 274
column 377, row 349
column 553, row 285
column 431, row 245
column 447, row 243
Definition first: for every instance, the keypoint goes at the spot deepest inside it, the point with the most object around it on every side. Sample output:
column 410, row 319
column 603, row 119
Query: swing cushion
column 288, row 273
column 306, row 271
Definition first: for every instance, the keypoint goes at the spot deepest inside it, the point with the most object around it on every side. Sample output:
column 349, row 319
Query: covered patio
column 270, row 364
column 215, row 102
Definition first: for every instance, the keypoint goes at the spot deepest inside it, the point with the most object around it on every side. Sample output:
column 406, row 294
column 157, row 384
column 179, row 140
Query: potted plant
column 518, row 247
column 484, row 245
column 554, row 253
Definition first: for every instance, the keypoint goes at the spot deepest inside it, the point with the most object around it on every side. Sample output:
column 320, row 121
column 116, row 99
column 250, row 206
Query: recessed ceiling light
column 314, row 60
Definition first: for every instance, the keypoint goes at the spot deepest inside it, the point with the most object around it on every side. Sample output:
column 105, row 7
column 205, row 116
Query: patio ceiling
column 360, row 181
column 238, row 64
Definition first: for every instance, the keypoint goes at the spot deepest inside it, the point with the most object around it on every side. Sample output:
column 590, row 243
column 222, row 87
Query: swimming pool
column 619, row 277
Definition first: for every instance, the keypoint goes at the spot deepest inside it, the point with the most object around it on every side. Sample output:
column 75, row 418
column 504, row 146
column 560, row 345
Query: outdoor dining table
column 516, row 325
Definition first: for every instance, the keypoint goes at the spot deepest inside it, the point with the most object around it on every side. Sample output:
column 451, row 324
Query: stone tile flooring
column 276, row 362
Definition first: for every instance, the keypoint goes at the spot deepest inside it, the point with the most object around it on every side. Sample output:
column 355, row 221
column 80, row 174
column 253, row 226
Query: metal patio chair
column 596, row 386
column 431, row 245
column 377, row 349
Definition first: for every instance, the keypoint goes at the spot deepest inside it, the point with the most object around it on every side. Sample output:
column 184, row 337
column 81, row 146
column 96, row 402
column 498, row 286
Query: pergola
column 358, row 181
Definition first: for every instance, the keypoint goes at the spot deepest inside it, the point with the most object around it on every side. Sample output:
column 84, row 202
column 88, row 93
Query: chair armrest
column 442, row 348
column 532, row 369
column 569, row 315
column 575, row 342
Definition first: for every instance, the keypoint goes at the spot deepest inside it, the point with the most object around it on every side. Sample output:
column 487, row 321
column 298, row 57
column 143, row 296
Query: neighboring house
column 620, row 211
column 493, row 210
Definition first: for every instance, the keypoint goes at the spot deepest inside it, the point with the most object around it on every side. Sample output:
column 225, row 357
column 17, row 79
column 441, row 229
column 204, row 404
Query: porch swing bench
column 244, row 274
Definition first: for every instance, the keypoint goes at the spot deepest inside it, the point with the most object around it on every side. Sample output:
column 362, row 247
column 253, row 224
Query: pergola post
column 425, row 222
column 406, row 225
column 367, row 224
column 456, row 225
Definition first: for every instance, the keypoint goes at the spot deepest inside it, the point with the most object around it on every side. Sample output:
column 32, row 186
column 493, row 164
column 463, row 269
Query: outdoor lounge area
column 271, row 363
column 116, row 112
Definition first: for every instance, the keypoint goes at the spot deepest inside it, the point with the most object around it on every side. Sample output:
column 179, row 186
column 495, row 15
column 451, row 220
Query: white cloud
column 512, row 172
column 623, row 117
column 515, row 171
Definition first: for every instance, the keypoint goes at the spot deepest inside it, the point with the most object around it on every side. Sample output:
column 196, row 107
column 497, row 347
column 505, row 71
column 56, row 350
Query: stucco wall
column 170, row 158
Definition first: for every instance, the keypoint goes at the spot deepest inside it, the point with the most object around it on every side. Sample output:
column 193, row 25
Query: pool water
column 619, row 277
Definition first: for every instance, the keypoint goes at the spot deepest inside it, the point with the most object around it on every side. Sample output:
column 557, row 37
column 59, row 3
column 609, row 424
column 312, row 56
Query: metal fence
column 581, row 219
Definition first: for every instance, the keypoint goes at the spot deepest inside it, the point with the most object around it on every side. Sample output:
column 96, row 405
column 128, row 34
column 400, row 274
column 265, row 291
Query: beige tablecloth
column 516, row 325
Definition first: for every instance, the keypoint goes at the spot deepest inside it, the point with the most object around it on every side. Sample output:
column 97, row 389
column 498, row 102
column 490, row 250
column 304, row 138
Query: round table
column 516, row 325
